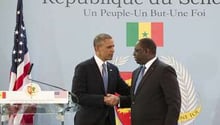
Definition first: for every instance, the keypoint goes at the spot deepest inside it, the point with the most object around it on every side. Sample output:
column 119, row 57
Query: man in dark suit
column 155, row 99
column 96, row 96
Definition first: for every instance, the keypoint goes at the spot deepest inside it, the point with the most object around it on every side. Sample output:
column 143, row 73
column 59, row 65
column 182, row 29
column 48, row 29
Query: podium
column 55, row 111
column 33, row 101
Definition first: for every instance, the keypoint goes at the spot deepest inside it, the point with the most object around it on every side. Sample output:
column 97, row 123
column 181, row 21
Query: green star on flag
column 138, row 30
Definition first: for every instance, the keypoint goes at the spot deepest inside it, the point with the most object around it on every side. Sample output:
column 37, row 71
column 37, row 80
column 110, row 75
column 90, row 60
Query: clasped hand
column 111, row 100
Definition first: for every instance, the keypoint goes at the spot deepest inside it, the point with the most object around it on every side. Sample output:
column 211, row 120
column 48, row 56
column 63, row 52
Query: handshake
column 111, row 100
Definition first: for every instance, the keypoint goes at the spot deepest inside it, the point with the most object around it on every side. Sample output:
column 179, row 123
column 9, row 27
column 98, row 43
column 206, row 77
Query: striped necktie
column 140, row 76
column 105, row 76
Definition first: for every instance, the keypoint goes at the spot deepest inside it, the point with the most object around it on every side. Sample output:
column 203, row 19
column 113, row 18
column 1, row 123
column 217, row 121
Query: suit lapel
column 96, row 71
column 110, row 75
column 146, row 75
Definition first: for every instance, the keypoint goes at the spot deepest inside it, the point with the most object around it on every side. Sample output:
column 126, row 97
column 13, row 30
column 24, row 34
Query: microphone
column 74, row 98
column 29, row 71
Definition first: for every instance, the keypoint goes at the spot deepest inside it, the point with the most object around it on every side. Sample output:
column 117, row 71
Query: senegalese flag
column 123, row 115
column 2, row 95
column 136, row 31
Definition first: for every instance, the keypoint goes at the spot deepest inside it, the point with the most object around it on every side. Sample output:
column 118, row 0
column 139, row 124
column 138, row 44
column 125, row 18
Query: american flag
column 20, row 65
column 60, row 94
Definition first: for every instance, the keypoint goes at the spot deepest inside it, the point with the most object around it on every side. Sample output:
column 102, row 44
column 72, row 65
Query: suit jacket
column 157, row 100
column 89, row 87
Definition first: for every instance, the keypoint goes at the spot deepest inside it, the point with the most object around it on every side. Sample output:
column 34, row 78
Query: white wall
column 61, row 35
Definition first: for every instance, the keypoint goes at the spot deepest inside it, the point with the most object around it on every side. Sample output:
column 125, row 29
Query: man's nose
column 113, row 50
column 134, row 53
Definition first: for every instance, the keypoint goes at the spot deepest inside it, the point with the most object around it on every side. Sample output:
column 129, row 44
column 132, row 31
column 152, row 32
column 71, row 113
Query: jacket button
column 133, row 103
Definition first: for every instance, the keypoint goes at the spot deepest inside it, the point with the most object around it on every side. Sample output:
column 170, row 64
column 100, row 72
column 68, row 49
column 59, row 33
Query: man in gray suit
column 155, row 96
column 95, row 82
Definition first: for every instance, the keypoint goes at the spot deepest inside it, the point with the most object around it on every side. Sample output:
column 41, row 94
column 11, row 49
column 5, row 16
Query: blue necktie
column 105, row 76
column 140, row 76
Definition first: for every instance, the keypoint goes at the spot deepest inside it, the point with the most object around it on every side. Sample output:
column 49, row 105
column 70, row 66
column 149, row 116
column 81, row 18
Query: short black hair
column 100, row 37
column 147, row 43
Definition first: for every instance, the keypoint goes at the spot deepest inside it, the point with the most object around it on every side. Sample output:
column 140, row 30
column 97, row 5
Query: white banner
column 33, row 94
column 42, row 97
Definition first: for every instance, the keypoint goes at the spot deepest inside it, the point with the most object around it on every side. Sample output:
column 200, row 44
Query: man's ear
column 147, row 50
column 96, row 48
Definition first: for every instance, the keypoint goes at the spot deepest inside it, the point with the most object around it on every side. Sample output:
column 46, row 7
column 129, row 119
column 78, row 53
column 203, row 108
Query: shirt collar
column 98, row 61
column 149, row 63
